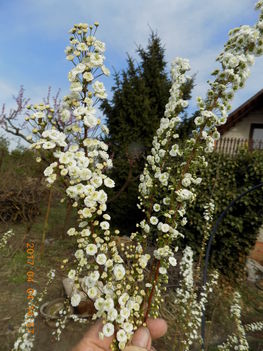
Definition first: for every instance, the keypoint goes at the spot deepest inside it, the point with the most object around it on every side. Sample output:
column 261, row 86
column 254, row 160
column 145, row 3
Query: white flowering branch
column 26, row 332
column 190, row 303
column 112, row 274
column 5, row 237
column 238, row 340
column 171, row 172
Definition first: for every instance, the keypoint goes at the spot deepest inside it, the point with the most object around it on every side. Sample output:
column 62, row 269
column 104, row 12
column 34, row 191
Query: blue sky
column 34, row 34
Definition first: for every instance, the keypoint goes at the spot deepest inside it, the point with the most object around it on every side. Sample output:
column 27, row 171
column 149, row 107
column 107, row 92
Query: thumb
column 140, row 341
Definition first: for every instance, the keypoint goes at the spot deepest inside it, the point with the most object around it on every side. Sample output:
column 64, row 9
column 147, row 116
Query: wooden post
column 67, row 218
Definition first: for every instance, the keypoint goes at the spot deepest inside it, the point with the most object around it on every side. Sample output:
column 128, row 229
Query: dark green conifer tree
column 140, row 94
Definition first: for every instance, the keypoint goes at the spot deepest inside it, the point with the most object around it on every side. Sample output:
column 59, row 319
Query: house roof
column 241, row 112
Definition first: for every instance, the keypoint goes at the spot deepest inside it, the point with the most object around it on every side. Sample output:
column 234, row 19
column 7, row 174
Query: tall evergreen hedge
column 223, row 180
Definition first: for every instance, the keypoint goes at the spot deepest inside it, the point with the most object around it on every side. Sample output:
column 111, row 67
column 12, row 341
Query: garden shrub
column 223, row 180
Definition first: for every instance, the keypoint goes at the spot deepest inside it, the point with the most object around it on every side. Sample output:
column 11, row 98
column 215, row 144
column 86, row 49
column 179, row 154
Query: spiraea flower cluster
column 110, row 271
column 237, row 341
column 26, row 332
column 190, row 303
column 80, row 160
column 254, row 327
column 5, row 237
column 172, row 170
column 209, row 210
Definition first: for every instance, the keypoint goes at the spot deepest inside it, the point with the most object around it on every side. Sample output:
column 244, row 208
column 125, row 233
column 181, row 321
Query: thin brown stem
column 155, row 280
column 46, row 223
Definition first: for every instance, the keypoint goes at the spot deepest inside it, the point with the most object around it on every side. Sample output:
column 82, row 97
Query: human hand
column 141, row 340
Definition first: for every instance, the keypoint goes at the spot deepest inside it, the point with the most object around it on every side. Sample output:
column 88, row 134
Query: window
column 256, row 136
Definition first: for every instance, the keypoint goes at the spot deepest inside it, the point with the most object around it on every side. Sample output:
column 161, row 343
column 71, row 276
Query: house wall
column 242, row 128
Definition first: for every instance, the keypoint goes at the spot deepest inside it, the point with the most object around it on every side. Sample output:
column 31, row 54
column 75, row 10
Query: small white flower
column 104, row 225
column 121, row 336
column 156, row 207
column 96, row 59
column 99, row 304
column 72, row 274
column 99, row 90
column 79, row 254
column 76, row 87
column 162, row 270
column 101, row 259
column 108, row 304
column 199, row 120
column 91, row 249
column 48, row 171
column 48, row 145
column 166, row 201
column 65, row 115
column 172, row 261
column 71, row 231
column 109, row 183
column 123, row 299
column 92, row 292
column 119, row 271
column 90, row 121
column 165, row 228
column 108, row 329
column 143, row 260
column 106, row 216
column 109, row 263
column 112, row 314
column 88, row 76
column 175, row 151
column 82, row 47
column 105, row 70
column 128, row 327
column 125, row 313
column 184, row 194
column 75, row 299
column 153, row 220
column 91, row 279
column 99, row 46
column 85, row 232
column 186, row 181
column 183, row 221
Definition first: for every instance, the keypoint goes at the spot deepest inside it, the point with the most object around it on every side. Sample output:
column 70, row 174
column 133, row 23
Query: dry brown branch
column 20, row 203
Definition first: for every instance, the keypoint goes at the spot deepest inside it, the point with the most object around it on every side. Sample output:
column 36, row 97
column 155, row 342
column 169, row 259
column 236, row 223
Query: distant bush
column 19, row 162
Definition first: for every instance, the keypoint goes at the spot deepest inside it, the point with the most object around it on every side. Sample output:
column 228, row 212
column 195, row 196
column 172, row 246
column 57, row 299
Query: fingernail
column 141, row 337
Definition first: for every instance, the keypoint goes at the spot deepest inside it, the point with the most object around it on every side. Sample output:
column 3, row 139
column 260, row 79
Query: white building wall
column 242, row 128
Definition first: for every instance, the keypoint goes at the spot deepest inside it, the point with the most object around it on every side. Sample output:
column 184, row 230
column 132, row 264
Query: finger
column 157, row 327
column 91, row 339
column 142, row 338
